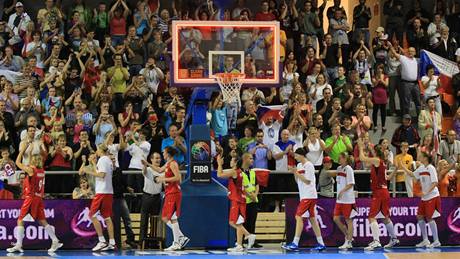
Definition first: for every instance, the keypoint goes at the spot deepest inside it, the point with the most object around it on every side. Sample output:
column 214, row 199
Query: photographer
column 18, row 22
column 153, row 76
column 104, row 124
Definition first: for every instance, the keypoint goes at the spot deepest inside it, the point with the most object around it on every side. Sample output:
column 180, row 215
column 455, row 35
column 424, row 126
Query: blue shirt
column 169, row 142
column 219, row 121
column 260, row 157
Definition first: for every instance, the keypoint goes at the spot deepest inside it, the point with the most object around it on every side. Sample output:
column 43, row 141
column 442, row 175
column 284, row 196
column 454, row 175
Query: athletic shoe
column 290, row 247
column 434, row 244
column 174, row 247
column 15, row 249
column 55, row 246
column 236, row 249
column 183, row 241
column 318, row 248
column 251, row 240
column 424, row 243
column 347, row 245
column 373, row 245
column 393, row 242
column 100, row 245
column 257, row 245
column 109, row 247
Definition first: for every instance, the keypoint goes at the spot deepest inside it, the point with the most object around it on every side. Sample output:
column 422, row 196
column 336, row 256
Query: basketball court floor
column 330, row 253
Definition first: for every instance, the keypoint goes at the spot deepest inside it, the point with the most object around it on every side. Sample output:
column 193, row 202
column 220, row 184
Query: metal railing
column 131, row 172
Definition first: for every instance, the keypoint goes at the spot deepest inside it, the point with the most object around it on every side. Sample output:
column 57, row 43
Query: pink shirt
column 360, row 129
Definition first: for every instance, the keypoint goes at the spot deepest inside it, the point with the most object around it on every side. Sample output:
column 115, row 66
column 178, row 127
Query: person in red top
column 173, row 197
column 237, row 197
column 380, row 204
column 33, row 192
column 265, row 14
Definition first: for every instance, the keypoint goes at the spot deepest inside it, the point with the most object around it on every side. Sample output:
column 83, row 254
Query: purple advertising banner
column 69, row 217
column 403, row 214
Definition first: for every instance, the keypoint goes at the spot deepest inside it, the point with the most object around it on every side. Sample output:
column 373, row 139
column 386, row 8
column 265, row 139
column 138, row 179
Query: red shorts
column 344, row 210
column 33, row 206
column 306, row 205
column 380, row 203
column 103, row 204
column 237, row 209
column 427, row 208
column 171, row 204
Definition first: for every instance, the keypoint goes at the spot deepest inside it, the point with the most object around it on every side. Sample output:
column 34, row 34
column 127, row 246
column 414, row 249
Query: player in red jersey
column 102, row 170
column 33, row 192
column 430, row 204
column 173, row 197
column 380, row 204
column 237, row 197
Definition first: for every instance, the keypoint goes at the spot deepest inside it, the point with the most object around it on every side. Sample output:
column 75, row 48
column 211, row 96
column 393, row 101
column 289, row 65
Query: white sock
column 112, row 241
column 178, row 229
column 296, row 241
column 375, row 231
column 50, row 230
column 101, row 239
column 434, row 230
column 391, row 229
column 20, row 237
column 320, row 240
column 175, row 230
column 422, row 225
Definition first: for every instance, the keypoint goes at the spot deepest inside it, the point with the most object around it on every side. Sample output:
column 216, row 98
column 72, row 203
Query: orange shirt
column 443, row 186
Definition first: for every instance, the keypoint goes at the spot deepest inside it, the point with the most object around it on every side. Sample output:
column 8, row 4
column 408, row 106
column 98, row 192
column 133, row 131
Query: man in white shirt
column 450, row 147
column 271, row 130
column 18, row 22
column 153, row 75
column 345, row 204
column 430, row 204
column 410, row 90
column 139, row 150
column 102, row 170
column 151, row 199
column 305, row 177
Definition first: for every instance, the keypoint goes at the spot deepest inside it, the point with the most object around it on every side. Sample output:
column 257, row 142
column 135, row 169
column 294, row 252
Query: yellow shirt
column 283, row 40
column 407, row 160
column 118, row 79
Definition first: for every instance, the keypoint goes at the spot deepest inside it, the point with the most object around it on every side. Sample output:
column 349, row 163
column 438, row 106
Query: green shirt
column 101, row 20
column 118, row 79
column 244, row 143
column 339, row 147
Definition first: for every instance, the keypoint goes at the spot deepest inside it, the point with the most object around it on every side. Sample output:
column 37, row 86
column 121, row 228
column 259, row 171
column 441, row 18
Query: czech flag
column 443, row 67
column 262, row 176
column 274, row 111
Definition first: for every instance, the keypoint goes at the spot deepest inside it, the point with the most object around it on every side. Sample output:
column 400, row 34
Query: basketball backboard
column 202, row 49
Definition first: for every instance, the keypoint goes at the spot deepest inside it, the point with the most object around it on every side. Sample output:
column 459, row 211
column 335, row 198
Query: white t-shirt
column 281, row 164
column 315, row 153
column 113, row 150
column 37, row 53
column 307, row 191
column 138, row 153
column 271, row 133
column 431, row 90
column 319, row 93
column 409, row 68
column 427, row 175
column 104, row 185
column 9, row 173
column 150, row 186
column 345, row 176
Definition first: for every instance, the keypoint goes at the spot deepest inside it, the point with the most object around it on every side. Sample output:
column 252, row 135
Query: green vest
column 249, row 184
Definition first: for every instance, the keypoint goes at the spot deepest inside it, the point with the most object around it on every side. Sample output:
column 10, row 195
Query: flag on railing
column 274, row 111
column 443, row 67
column 262, row 176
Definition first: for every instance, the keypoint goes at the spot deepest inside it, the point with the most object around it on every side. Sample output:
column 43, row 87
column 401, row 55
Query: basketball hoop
column 230, row 85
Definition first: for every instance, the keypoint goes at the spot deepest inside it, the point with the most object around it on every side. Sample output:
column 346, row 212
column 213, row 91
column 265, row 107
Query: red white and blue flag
column 443, row 67
column 274, row 111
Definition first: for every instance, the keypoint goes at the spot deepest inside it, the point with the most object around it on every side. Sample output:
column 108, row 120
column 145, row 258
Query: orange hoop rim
column 229, row 75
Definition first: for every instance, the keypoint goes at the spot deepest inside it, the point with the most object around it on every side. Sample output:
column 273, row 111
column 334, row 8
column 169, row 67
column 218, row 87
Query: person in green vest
column 251, row 187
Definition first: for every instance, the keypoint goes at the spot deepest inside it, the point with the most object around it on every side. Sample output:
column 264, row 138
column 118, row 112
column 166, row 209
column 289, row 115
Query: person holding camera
column 153, row 76
column 118, row 75
column 104, row 124
column 18, row 22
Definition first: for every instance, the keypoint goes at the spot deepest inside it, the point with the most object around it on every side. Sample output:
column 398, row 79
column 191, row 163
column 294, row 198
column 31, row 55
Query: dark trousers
column 251, row 217
column 121, row 211
column 151, row 204
column 383, row 113
column 410, row 92
column 393, row 86
column 401, row 187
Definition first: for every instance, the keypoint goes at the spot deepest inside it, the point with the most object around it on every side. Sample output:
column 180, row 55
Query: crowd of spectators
column 72, row 79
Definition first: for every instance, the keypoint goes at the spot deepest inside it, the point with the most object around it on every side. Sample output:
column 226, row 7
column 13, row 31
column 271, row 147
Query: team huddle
column 102, row 166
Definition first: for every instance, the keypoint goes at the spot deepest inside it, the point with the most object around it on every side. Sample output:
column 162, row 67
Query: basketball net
column 230, row 86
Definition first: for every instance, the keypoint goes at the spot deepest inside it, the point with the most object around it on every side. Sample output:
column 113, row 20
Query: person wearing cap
column 326, row 179
column 406, row 133
column 18, row 22
column 380, row 46
column 155, row 133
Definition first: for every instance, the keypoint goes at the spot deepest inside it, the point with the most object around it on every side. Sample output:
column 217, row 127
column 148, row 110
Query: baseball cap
column 327, row 159
column 407, row 117
column 19, row 4
column 380, row 29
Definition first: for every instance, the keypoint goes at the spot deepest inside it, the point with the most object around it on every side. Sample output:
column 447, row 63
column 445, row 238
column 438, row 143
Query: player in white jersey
column 103, row 199
column 345, row 205
column 430, row 204
column 305, row 177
